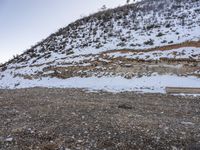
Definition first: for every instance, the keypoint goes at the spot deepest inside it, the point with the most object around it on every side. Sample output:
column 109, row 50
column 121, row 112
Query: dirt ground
column 63, row 119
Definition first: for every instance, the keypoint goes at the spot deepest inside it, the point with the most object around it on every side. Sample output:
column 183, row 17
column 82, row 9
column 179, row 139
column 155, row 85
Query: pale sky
column 23, row 23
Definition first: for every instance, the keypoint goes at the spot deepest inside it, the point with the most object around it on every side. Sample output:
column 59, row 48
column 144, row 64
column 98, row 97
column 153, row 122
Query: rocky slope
column 152, row 38
column 70, row 119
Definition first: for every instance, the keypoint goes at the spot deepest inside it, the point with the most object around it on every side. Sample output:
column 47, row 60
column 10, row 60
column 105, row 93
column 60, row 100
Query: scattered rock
column 187, row 123
column 9, row 139
column 50, row 146
column 125, row 106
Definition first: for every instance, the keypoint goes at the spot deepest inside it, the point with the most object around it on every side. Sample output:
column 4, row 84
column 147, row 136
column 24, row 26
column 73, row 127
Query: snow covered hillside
column 137, row 43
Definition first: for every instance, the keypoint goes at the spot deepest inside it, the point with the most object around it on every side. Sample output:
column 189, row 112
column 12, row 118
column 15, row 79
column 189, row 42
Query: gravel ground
column 63, row 119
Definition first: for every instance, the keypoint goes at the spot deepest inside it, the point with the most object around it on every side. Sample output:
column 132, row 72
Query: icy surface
column 152, row 84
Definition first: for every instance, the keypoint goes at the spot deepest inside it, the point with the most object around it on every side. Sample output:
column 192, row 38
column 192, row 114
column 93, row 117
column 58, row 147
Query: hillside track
column 195, row 44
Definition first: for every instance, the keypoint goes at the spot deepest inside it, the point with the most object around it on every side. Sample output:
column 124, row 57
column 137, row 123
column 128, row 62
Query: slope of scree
column 143, row 39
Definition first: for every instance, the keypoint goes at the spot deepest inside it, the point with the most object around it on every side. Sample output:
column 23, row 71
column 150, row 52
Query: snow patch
column 150, row 84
